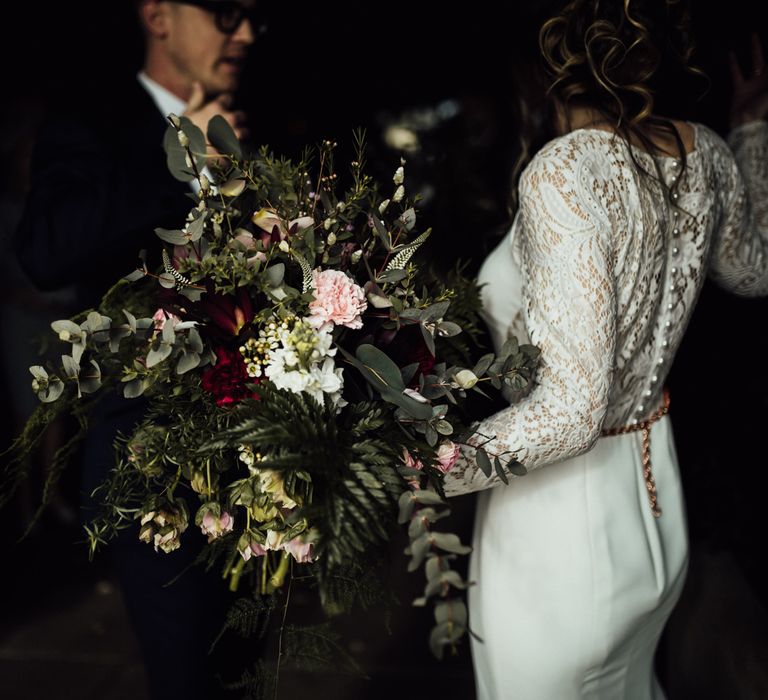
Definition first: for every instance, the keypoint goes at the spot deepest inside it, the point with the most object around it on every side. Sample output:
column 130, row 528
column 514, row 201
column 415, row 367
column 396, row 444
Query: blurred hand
column 200, row 112
column 750, row 92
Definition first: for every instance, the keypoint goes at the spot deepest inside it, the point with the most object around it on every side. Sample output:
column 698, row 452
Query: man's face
column 199, row 50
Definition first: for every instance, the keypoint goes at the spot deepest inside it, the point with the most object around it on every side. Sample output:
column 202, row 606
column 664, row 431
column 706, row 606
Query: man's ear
column 153, row 15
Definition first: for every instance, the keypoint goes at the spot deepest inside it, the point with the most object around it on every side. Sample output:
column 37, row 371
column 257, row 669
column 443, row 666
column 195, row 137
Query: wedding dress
column 602, row 268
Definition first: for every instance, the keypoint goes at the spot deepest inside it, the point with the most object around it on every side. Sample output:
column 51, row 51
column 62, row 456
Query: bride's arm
column 569, row 303
column 740, row 247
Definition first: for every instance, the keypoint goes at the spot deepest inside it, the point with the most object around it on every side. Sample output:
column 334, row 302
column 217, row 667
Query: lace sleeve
column 569, row 301
column 740, row 248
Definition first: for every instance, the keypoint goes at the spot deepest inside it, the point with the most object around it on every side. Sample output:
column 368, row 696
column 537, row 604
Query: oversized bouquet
column 302, row 377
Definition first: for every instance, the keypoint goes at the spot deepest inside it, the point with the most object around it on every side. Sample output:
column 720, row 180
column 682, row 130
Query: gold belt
column 645, row 427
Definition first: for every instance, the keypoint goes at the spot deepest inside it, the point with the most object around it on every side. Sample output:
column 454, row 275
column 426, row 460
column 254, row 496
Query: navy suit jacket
column 100, row 186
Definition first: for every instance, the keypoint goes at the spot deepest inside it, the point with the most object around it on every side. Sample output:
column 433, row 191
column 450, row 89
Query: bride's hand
column 750, row 94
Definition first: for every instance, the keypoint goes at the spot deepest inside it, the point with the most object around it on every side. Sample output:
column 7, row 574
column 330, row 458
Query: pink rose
column 300, row 550
column 447, row 454
column 338, row 300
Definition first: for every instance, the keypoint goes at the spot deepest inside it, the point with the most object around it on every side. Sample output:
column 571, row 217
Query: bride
column 580, row 562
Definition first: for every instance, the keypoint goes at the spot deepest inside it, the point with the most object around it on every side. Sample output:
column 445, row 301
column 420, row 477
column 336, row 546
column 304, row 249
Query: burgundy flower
column 226, row 379
column 407, row 347
column 228, row 313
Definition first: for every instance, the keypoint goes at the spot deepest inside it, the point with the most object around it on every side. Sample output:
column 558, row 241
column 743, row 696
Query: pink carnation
column 338, row 300
column 447, row 454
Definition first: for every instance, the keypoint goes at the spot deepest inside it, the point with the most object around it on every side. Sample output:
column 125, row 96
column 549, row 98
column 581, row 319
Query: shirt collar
column 164, row 99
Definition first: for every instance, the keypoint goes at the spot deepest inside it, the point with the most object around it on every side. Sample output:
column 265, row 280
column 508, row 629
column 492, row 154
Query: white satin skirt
column 575, row 577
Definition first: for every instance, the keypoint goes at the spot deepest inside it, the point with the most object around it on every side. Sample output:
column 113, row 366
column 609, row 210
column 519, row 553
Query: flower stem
column 277, row 578
column 237, row 570
column 288, row 564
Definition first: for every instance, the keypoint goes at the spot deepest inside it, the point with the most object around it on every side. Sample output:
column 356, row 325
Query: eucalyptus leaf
column 77, row 351
column 135, row 275
column 391, row 276
column 418, row 549
column 382, row 232
column 177, row 158
column 427, row 497
column 517, row 468
column 223, row 138
column 435, row 566
column 187, row 361
column 510, row 347
column 53, row 390
column 156, row 355
column 172, row 236
column 500, row 470
column 71, row 366
column 483, row 462
column 429, row 340
column 448, row 329
column 133, row 389
column 483, row 364
column 196, row 228
column 409, row 372
column 411, row 314
column 131, row 320
column 194, row 341
column 168, row 333
column 406, row 505
column 166, row 280
column 91, row 381
column 191, row 293
column 275, row 274
column 449, row 542
column 382, row 367
column 435, row 312
column 451, row 610
column 417, row 527
column 65, row 326
column 39, row 373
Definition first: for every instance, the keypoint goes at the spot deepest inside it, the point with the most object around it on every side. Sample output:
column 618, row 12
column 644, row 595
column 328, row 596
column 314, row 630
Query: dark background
column 447, row 73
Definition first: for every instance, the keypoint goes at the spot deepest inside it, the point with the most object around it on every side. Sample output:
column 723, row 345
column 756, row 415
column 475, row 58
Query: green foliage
column 316, row 648
column 16, row 469
column 256, row 683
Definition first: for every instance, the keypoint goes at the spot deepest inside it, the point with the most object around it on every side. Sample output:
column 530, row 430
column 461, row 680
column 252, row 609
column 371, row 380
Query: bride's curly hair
column 607, row 55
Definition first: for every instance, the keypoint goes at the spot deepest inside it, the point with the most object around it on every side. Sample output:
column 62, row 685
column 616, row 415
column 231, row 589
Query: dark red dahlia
column 226, row 379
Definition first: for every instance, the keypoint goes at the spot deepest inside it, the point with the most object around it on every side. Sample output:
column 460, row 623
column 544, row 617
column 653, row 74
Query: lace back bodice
column 609, row 266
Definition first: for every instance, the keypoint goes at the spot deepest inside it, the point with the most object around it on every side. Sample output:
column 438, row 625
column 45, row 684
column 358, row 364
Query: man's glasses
column 227, row 16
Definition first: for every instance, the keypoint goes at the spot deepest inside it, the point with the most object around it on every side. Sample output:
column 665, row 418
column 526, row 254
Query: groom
column 100, row 186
